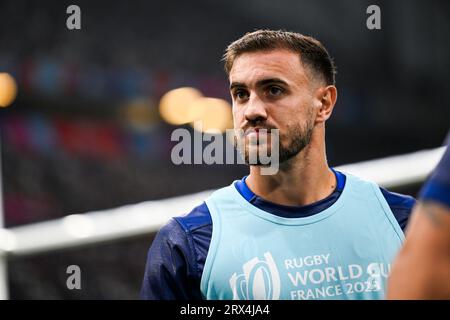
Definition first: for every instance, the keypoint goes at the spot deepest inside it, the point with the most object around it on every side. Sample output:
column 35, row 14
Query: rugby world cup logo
column 259, row 281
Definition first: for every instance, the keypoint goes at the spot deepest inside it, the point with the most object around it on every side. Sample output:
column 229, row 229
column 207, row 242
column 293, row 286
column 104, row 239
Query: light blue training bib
column 343, row 252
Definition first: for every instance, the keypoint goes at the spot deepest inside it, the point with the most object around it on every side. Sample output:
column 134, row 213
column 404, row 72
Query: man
column 422, row 268
column 306, row 232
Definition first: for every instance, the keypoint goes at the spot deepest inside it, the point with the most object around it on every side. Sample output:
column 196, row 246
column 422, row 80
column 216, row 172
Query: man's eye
column 240, row 94
column 275, row 91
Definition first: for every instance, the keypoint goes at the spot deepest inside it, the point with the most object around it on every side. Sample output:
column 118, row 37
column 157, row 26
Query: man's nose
column 255, row 109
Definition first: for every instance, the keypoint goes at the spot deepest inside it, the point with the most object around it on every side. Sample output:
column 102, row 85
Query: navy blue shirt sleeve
column 170, row 272
column 401, row 206
column 177, row 256
column 437, row 188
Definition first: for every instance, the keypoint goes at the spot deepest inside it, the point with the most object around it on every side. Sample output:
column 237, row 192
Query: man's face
column 271, row 90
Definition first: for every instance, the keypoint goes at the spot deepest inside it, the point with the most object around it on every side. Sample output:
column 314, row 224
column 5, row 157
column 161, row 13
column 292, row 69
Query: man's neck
column 302, row 180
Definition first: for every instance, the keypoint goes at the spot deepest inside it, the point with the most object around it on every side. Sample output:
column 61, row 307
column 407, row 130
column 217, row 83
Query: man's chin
column 255, row 159
column 257, row 164
column 255, row 151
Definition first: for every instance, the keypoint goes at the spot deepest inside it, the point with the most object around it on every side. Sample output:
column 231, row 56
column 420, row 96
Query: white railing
column 148, row 217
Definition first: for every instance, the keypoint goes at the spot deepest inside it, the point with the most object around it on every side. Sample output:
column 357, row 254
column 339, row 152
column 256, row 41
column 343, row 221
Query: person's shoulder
column 437, row 186
column 398, row 200
column 182, row 231
column 401, row 206
column 179, row 226
column 198, row 217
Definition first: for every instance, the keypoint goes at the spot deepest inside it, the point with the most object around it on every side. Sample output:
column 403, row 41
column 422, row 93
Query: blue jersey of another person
column 177, row 256
column 437, row 187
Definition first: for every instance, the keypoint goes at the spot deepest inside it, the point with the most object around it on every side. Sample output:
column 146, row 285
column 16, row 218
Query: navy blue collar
column 292, row 211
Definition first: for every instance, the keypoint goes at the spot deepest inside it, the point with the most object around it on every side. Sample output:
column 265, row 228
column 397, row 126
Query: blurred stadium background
column 86, row 132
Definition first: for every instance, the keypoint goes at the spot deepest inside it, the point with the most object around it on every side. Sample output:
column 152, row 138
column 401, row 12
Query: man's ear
column 326, row 99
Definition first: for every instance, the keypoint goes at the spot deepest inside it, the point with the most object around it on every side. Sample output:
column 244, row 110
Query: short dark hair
column 311, row 51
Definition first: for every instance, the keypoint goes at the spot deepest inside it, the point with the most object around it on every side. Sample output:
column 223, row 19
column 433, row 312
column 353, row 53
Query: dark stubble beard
column 298, row 138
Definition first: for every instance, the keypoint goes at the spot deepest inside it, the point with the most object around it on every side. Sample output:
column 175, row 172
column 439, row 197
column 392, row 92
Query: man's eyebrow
column 234, row 85
column 264, row 82
column 259, row 83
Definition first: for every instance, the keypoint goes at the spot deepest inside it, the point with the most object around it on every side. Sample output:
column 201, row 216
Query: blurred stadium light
column 174, row 105
column 148, row 217
column 8, row 89
column 188, row 105
column 214, row 115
